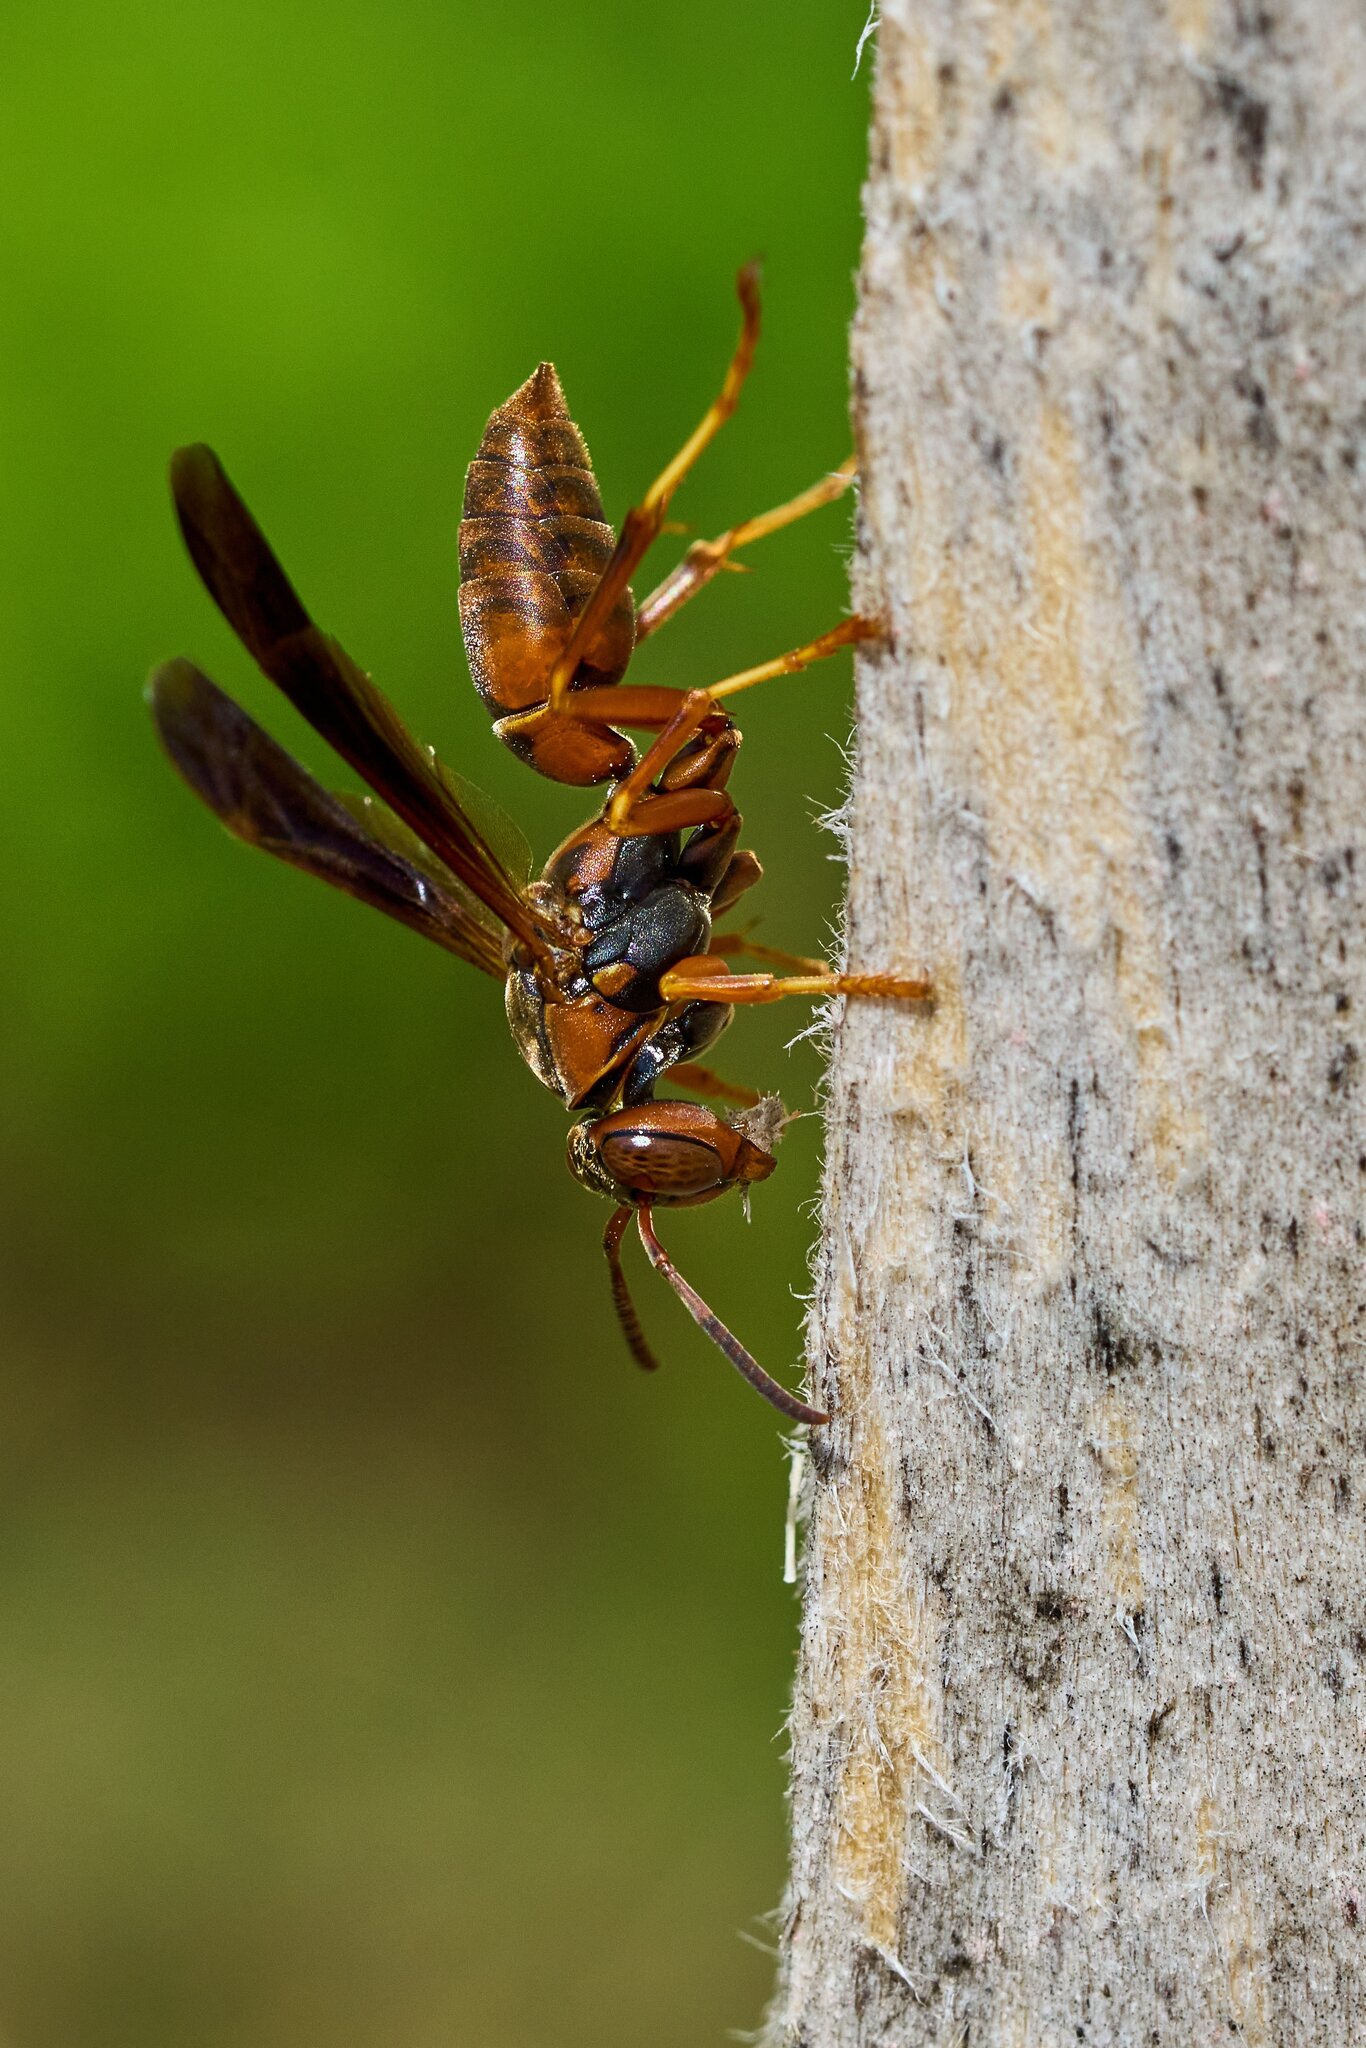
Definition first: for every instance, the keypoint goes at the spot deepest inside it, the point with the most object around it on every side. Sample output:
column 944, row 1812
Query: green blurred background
column 382, row 1658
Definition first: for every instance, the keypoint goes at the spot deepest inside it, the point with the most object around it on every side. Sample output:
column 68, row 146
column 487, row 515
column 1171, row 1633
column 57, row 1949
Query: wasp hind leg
column 644, row 522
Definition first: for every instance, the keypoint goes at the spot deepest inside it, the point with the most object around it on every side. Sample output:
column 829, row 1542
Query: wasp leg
column 737, row 942
column 744, row 871
column 631, row 796
column 730, row 1347
column 706, row 979
column 677, row 715
column 706, row 557
column 631, row 1330
column 660, row 707
column 705, row 1082
column 643, row 522
column 633, row 801
column 848, row 633
column 630, row 799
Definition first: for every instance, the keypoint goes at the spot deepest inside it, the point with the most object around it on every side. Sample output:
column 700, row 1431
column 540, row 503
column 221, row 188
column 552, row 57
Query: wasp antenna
column 621, row 1294
column 729, row 1346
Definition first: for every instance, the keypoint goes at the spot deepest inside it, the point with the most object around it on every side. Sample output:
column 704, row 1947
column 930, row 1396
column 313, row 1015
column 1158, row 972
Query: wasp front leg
column 738, row 942
column 705, row 978
column 705, row 1081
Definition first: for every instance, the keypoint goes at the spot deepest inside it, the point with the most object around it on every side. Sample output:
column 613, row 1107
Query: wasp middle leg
column 706, row 558
column 690, row 791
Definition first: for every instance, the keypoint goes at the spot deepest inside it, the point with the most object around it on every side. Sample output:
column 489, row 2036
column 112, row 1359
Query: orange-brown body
column 614, row 979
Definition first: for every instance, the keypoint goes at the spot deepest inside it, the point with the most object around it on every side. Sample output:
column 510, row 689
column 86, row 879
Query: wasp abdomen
column 533, row 544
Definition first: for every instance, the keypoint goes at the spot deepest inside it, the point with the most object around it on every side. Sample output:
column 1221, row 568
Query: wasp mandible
column 614, row 978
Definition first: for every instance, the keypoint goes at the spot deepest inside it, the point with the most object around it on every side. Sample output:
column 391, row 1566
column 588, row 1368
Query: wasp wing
column 246, row 582
column 502, row 835
column 263, row 796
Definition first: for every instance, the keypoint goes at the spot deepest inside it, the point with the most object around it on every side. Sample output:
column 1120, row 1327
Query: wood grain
column 1078, row 1732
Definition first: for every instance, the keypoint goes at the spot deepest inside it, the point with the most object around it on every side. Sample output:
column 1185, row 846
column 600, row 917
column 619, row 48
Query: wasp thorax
column 672, row 1153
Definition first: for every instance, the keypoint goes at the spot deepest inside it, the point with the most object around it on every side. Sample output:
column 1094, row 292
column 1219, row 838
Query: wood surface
column 1078, row 1737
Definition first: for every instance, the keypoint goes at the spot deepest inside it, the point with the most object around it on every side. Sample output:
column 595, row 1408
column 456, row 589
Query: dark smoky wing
column 265, row 798
column 242, row 575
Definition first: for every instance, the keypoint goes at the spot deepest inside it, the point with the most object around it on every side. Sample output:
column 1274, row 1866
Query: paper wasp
column 613, row 978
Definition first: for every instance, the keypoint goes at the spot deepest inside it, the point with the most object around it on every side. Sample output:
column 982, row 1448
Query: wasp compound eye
column 662, row 1166
column 671, row 1153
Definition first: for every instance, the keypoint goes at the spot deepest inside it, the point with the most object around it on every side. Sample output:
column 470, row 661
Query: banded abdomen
column 533, row 544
